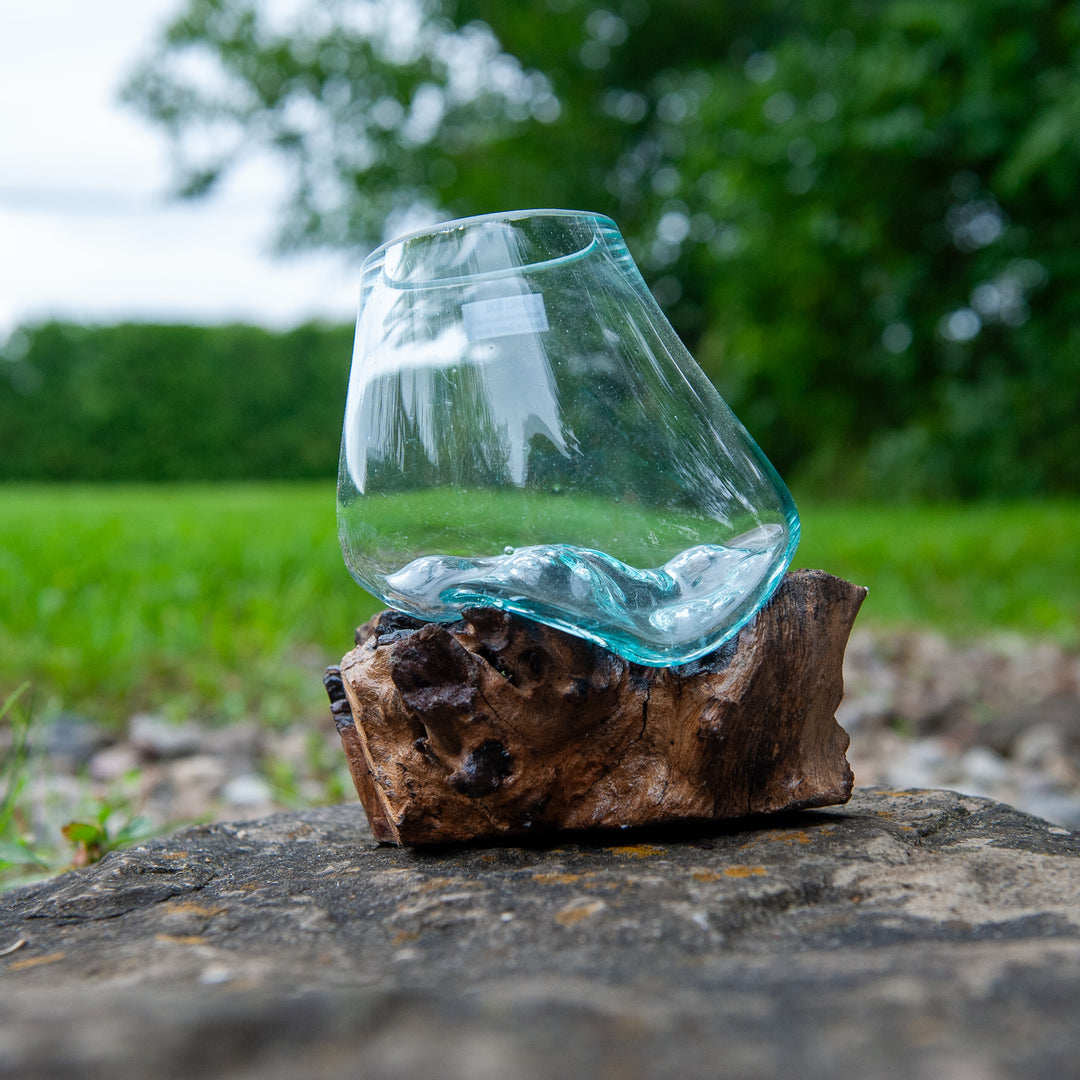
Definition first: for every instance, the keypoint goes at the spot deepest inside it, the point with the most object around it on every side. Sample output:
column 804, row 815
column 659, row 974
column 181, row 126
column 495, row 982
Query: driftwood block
column 496, row 725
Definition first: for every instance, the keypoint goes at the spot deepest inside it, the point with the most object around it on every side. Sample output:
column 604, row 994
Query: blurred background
column 861, row 218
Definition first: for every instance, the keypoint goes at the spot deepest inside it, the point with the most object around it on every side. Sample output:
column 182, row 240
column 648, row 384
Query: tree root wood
column 496, row 725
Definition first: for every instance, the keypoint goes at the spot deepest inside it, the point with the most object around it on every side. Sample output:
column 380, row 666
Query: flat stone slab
column 907, row 934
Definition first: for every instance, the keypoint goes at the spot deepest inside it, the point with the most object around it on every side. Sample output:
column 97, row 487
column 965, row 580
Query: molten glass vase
column 524, row 430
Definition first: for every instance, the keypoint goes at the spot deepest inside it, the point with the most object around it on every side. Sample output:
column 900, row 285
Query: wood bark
column 496, row 725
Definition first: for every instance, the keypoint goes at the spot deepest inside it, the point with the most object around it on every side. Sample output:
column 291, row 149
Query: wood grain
column 495, row 725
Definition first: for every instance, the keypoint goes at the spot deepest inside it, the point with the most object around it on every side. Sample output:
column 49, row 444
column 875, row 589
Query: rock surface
column 908, row 934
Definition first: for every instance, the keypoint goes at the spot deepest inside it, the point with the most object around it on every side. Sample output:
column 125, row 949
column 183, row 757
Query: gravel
column 997, row 717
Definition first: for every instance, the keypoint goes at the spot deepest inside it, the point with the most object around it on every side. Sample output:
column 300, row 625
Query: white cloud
column 84, row 230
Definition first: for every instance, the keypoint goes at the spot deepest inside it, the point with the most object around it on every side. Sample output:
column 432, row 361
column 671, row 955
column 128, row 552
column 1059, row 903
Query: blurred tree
column 860, row 215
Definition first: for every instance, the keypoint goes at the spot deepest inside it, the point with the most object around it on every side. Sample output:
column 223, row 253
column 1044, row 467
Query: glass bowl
column 525, row 430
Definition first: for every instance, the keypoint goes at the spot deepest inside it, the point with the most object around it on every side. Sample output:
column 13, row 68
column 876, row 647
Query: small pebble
column 157, row 737
column 247, row 790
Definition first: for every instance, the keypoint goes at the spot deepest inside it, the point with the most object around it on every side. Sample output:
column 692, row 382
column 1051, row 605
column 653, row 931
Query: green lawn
column 964, row 570
column 217, row 601
column 224, row 601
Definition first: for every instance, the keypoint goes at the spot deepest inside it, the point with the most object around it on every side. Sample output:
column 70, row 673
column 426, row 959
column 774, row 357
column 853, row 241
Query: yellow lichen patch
column 190, row 907
column 637, row 851
column 556, row 879
column 790, row 836
column 441, row 883
column 730, row 872
column 181, row 939
column 578, row 910
column 35, row 961
column 173, row 854
column 403, row 937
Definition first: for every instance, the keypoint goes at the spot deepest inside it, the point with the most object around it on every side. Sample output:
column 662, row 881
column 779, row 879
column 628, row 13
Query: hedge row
column 157, row 403
column 145, row 402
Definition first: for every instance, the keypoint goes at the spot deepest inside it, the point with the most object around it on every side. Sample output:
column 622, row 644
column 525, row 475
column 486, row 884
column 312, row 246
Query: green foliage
column 229, row 601
column 19, row 855
column 27, row 851
column 94, row 839
column 859, row 216
column 143, row 402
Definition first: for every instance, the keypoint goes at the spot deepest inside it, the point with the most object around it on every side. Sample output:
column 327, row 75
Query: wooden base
column 496, row 725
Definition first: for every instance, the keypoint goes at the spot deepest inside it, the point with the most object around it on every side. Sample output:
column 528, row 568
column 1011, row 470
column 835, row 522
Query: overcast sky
column 86, row 229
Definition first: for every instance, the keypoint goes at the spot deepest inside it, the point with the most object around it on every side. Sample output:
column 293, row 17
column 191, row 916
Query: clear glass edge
column 490, row 275
column 476, row 219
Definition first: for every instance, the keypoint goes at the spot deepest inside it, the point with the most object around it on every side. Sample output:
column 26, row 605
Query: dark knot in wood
column 340, row 709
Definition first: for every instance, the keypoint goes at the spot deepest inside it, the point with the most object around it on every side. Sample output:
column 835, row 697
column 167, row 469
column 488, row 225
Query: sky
column 88, row 231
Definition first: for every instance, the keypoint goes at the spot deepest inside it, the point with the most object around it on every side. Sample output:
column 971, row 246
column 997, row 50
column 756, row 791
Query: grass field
column 226, row 601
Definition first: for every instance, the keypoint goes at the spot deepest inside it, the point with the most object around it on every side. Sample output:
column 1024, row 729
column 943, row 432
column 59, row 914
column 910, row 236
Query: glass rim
column 376, row 255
